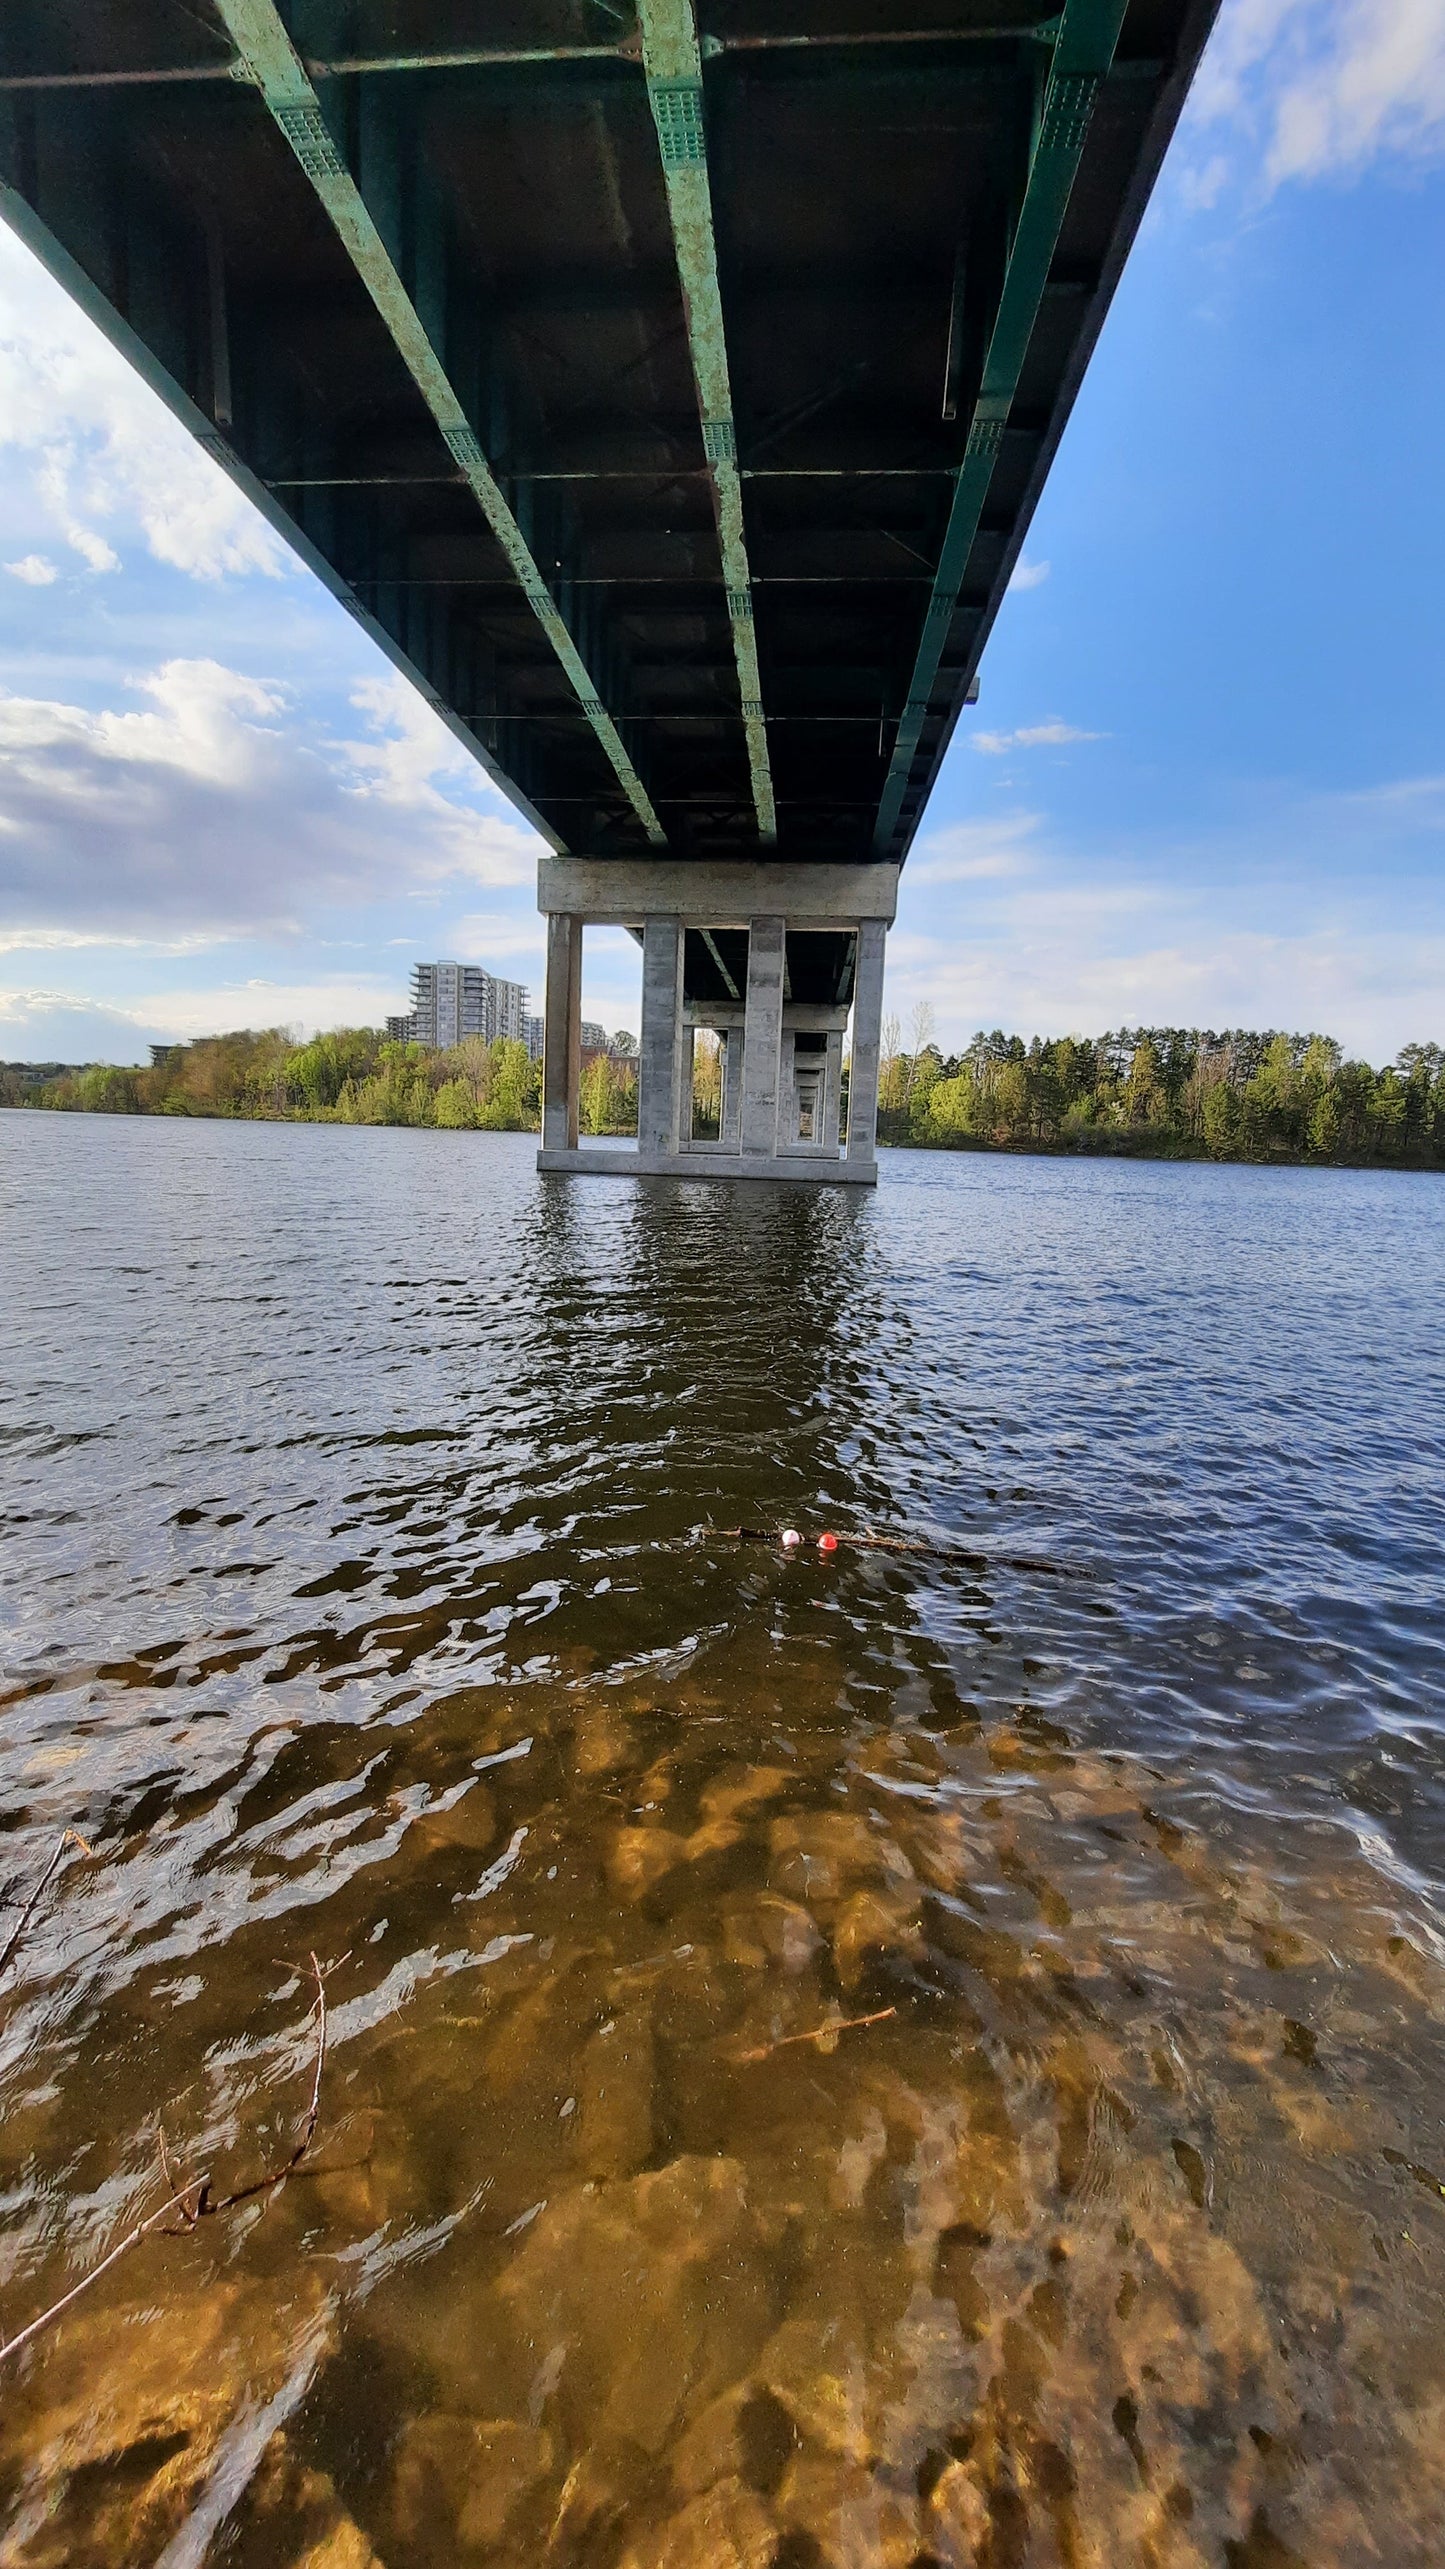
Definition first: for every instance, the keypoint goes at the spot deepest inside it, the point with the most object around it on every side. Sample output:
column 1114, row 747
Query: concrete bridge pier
column 775, row 961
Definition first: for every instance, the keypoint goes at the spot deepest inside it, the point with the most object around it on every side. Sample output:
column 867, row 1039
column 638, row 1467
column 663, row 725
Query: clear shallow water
column 363, row 1593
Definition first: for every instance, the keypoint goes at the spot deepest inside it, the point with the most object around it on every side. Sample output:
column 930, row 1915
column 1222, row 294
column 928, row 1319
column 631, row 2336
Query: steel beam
column 273, row 64
column 77, row 282
column 503, row 57
column 673, row 63
column 1088, row 33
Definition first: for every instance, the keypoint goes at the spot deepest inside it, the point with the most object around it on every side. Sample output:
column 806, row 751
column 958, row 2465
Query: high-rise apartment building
column 450, row 1000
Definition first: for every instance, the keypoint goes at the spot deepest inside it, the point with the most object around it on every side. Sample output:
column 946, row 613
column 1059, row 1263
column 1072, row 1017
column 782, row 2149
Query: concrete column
column 832, row 1093
column 659, row 1099
column 787, row 1091
column 762, row 1038
column 867, row 1036
column 562, row 1034
column 732, row 1096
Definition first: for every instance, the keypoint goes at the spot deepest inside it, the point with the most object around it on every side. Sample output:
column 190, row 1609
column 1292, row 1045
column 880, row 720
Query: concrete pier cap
column 774, row 959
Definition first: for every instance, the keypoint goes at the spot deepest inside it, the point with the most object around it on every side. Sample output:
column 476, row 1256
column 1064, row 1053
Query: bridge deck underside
column 865, row 165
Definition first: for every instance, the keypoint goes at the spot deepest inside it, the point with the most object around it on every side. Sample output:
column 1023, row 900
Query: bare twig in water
column 823, row 2035
column 132, row 2239
column 194, row 2200
column 68, row 1837
column 199, row 2204
column 169, row 2172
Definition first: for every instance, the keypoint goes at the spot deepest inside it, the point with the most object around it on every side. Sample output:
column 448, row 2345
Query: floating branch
column 825, row 2036
column 132, row 2239
column 68, row 1837
column 194, row 2200
column 197, row 2202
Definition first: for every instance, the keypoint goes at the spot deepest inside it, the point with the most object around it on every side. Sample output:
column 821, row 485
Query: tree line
column 352, row 1076
column 1166, row 1092
column 1158, row 1092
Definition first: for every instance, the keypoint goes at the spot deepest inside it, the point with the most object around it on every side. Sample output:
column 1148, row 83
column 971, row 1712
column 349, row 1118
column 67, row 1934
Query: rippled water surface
column 929, row 2053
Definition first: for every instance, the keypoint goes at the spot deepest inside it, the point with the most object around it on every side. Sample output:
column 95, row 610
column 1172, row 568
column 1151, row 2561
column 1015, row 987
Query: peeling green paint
column 673, row 64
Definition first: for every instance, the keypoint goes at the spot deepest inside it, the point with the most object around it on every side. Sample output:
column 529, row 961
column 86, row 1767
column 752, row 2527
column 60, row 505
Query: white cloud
column 211, row 810
column 1269, row 919
column 1313, row 89
column 89, row 447
column 1050, row 735
column 53, row 1025
column 260, row 999
column 1373, row 990
column 82, row 940
column 34, row 570
column 975, row 851
column 502, row 936
column 1027, row 574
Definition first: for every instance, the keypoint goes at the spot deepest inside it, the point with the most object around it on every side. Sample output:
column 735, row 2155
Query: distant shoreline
column 1265, row 1100
column 1122, row 1146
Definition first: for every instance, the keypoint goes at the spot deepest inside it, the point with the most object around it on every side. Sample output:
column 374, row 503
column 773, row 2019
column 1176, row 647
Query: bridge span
column 666, row 386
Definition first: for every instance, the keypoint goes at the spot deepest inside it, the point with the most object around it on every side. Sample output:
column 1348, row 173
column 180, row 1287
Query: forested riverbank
column 1170, row 1093
column 352, row 1076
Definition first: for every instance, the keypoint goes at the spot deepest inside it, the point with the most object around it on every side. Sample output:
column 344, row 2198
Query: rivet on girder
column 719, row 441
column 309, row 136
column 983, row 441
column 1067, row 109
column 752, row 709
column 943, row 604
column 740, row 605
column 465, row 447
column 677, row 111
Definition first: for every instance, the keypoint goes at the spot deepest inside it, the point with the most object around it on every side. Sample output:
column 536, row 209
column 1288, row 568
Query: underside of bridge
column 666, row 385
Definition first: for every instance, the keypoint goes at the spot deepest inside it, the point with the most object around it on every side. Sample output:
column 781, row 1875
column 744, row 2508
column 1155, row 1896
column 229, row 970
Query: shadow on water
column 896, row 2057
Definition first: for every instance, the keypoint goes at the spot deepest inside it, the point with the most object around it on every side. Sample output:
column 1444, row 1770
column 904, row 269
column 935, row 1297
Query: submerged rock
column 746, row 2435
column 640, row 1858
column 345, row 2547
column 614, row 2086
column 111, row 2435
column 875, row 1923
column 766, row 1931
column 460, row 2485
column 957, row 2517
column 726, row 2528
column 291, row 2511
column 632, row 2298
column 838, row 2513
column 821, row 1857
column 744, row 1789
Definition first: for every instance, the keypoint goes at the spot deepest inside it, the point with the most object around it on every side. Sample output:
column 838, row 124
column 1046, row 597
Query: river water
column 923, row 2053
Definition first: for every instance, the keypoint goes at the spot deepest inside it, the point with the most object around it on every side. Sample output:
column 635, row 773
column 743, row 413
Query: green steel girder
column 73, row 266
column 673, row 63
column 1088, row 33
column 272, row 63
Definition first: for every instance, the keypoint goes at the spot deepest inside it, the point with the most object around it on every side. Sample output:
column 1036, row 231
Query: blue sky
column 1205, row 782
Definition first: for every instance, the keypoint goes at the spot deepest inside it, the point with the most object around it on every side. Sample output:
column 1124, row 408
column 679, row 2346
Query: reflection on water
column 902, row 2057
